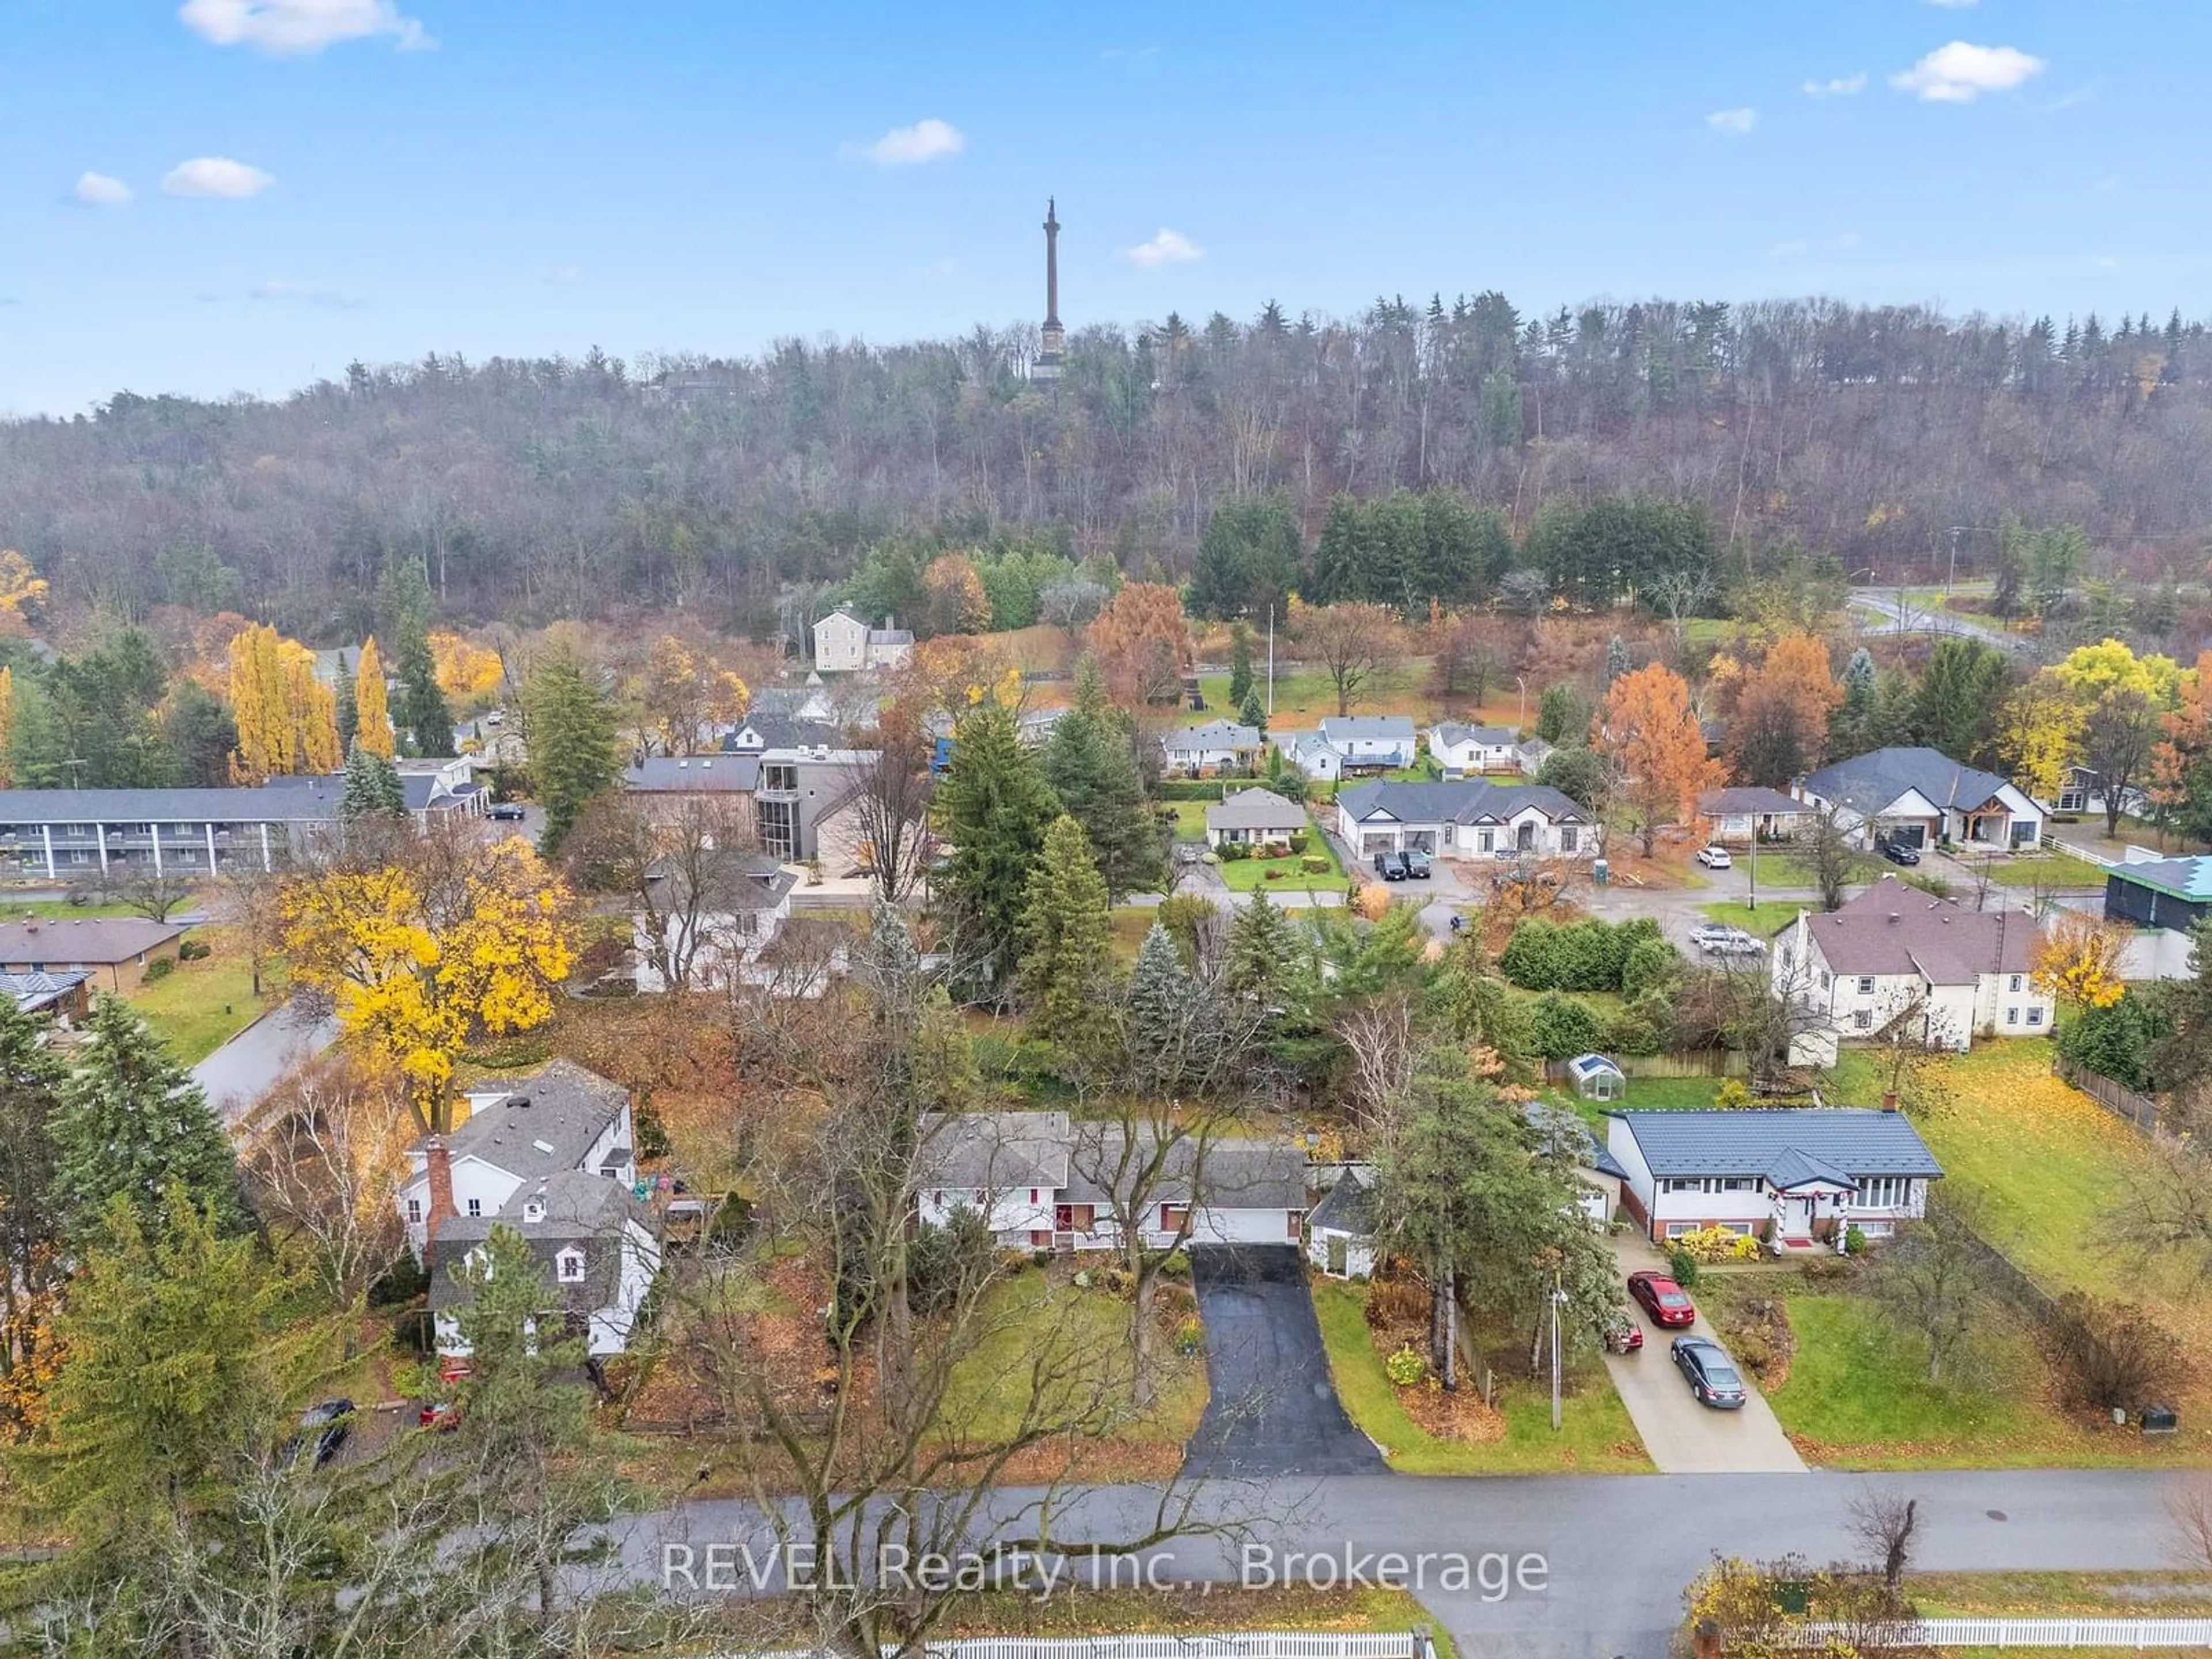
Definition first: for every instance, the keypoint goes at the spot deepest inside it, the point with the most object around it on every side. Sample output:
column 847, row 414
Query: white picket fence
column 2136, row 1633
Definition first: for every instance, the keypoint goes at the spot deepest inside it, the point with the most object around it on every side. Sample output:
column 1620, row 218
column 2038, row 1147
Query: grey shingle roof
column 1892, row 928
column 1859, row 1142
column 1491, row 737
column 693, row 774
column 1866, row 783
column 997, row 1151
column 1254, row 809
column 1214, row 734
column 586, row 1211
column 1718, row 803
column 1348, row 1206
column 299, row 801
column 1232, row 1174
column 751, row 881
column 1340, row 729
column 102, row 940
column 567, row 1111
column 1469, row 800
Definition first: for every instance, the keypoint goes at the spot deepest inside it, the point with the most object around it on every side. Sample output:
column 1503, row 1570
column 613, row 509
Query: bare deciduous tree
column 327, row 1155
column 1884, row 1524
column 1357, row 645
column 154, row 894
column 690, row 873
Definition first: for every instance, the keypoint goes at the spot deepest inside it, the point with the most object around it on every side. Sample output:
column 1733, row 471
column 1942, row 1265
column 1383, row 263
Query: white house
column 1923, row 797
column 1796, row 1176
column 1044, row 1182
column 1215, row 746
column 1469, row 818
column 1311, row 753
column 1255, row 818
column 548, row 1155
column 1895, row 951
column 1461, row 749
column 1739, row 817
column 715, row 937
column 1341, row 1231
column 845, row 644
column 1370, row 743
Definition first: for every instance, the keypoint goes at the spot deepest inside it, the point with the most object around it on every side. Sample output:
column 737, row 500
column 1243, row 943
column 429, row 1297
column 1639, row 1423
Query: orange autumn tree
column 2178, row 763
column 1649, row 736
column 1142, row 644
column 684, row 695
column 953, row 600
column 1780, row 726
column 22, row 593
column 287, row 719
column 371, row 706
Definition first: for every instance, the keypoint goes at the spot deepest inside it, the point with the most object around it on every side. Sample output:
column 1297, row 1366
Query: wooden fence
column 2137, row 1633
column 2119, row 1100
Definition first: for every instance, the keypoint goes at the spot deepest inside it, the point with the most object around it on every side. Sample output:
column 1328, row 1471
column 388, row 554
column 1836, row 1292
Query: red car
column 1662, row 1298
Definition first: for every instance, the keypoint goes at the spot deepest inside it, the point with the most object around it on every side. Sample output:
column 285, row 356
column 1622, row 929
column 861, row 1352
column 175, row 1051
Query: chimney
column 440, row 1161
column 1894, row 917
column 1889, row 1100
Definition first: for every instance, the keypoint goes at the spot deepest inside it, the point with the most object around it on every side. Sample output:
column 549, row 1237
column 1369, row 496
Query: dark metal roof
column 2183, row 878
column 1468, row 800
column 1718, row 803
column 1869, row 783
column 1858, row 1142
column 668, row 775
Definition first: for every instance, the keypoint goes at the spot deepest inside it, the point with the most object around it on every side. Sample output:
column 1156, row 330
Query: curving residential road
column 1931, row 619
column 1615, row 1551
column 237, row 1075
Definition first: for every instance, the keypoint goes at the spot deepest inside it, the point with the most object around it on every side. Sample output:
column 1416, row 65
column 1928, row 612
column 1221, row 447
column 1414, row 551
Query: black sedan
column 323, row 1429
column 1900, row 852
column 1712, row 1378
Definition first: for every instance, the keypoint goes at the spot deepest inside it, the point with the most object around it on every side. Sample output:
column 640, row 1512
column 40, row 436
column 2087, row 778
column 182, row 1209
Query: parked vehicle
column 1716, row 858
column 1713, row 1380
column 1622, row 1333
column 323, row 1429
column 1662, row 1298
column 1391, row 865
column 507, row 811
column 1717, row 940
column 1458, row 922
column 1417, row 865
column 1898, row 852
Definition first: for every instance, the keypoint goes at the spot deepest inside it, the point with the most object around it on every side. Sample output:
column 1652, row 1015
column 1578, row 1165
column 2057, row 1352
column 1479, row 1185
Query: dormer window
column 533, row 1209
column 570, row 1265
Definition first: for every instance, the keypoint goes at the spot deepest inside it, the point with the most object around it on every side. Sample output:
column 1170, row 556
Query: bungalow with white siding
column 1254, row 817
column 1469, row 818
column 1462, row 749
column 1796, row 1176
column 1312, row 754
column 1922, row 798
column 1371, row 742
column 1736, row 817
column 1215, row 746
column 1043, row 1181
column 1341, row 1231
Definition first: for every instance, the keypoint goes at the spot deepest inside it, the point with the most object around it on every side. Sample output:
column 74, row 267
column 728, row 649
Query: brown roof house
column 1895, row 951
column 85, row 944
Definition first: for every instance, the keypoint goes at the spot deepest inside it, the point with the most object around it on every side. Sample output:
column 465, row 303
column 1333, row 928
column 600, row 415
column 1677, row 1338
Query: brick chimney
column 440, row 1162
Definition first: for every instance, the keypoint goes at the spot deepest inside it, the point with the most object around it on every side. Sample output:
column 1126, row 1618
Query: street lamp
column 1558, row 1301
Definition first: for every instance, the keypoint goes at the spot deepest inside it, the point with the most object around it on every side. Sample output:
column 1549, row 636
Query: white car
column 1721, row 941
column 1716, row 858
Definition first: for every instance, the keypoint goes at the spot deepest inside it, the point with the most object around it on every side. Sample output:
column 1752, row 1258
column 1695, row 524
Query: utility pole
column 1558, row 1300
column 1271, row 664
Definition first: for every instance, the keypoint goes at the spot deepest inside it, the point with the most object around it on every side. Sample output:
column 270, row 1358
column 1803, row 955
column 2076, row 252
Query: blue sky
column 533, row 176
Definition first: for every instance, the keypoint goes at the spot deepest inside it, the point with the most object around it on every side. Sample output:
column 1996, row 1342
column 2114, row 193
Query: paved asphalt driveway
column 1683, row 1436
column 1272, row 1409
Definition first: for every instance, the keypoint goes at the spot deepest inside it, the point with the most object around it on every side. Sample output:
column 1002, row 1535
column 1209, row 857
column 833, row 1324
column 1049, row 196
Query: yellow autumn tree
column 371, row 704
column 287, row 719
column 467, row 673
column 22, row 593
column 2078, row 958
column 449, row 941
column 2039, row 733
column 683, row 693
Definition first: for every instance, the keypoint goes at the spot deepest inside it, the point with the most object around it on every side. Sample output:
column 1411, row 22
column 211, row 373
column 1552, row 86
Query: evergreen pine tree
column 349, row 709
column 1067, row 945
column 1259, row 963
column 372, row 786
column 132, row 1123
column 423, row 713
column 993, row 806
column 1240, row 664
column 573, row 757
column 1848, row 726
column 1089, row 763
column 1252, row 714
column 1170, row 1029
column 1561, row 716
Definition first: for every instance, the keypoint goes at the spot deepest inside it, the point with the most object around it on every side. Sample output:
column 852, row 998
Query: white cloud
column 1843, row 86
column 1166, row 248
column 1735, row 122
column 216, row 175
column 926, row 140
column 276, row 287
column 98, row 190
column 286, row 29
column 1959, row 73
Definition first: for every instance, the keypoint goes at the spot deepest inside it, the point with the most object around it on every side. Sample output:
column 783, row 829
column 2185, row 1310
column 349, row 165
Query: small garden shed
column 1596, row 1078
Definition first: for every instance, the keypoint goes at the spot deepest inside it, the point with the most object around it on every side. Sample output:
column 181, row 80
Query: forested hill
column 533, row 488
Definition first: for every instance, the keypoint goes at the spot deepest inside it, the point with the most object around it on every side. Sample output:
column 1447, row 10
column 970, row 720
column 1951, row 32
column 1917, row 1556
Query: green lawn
column 198, row 1007
column 1763, row 922
column 1189, row 818
column 2042, row 870
column 1595, row 1435
column 1305, row 695
column 992, row 1386
column 1246, row 875
column 1779, row 869
column 60, row 909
